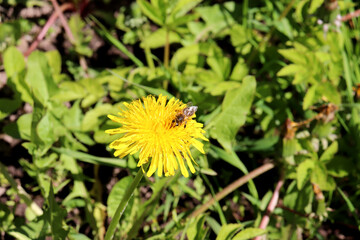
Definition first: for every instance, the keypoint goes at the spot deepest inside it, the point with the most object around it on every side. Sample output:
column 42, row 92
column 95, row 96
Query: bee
column 183, row 115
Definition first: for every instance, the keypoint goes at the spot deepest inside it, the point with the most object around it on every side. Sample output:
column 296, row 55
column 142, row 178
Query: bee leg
column 185, row 124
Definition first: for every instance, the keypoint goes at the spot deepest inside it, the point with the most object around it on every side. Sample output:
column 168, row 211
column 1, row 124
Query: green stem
column 166, row 49
column 121, row 208
column 144, row 34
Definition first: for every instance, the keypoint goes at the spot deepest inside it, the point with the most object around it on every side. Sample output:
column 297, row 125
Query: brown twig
column 50, row 21
column 270, row 208
column 351, row 15
column 70, row 35
column 63, row 21
column 233, row 186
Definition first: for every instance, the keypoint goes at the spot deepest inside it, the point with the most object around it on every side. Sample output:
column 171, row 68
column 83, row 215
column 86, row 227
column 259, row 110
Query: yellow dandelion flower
column 161, row 132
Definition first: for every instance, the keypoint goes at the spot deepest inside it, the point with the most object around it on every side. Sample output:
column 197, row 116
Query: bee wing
column 189, row 111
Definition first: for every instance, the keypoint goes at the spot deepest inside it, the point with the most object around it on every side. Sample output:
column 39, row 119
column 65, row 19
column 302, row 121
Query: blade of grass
column 105, row 33
column 151, row 90
column 350, row 206
column 217, row 205
column 112, row 162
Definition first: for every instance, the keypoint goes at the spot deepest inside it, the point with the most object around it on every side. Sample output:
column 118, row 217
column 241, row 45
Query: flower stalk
column 122, row 205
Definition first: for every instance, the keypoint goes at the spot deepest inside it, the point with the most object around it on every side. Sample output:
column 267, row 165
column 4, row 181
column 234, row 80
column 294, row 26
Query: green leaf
column 184, row 53
column 310, row 98
column 39, row 77
column 235, row 107
column 45, row 129
column 95, row 90
column 228, row 230
column 7, row 106
column 54, row 216
column 23, row 125
column 249, row 233
column 158, row 38
column 330, row 92
column 320, row 177
column 315, row 4
column 218, row 16
column 69, row 91
column 303, row 172
column 196, row 229
column 289, row 147
column 54, row 60
column 293, row 55
column 330, row 152
column 220, row 65
column 151, row 12
column 239, row 71
column 116, row 194
column 176, row 22
column 290, row 70
column 184, row 6
column 238, row 35
column 91, row 119
column 220, row 87
column 14, row 62
column 299, row 200
column 72, row 119
column 214, row 225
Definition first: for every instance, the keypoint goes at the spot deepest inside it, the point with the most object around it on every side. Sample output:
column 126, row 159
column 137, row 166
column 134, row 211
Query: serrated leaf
column 329, row 153
column 293, row 55
column 310, row 98
column 290, row 70
column 151, row 12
